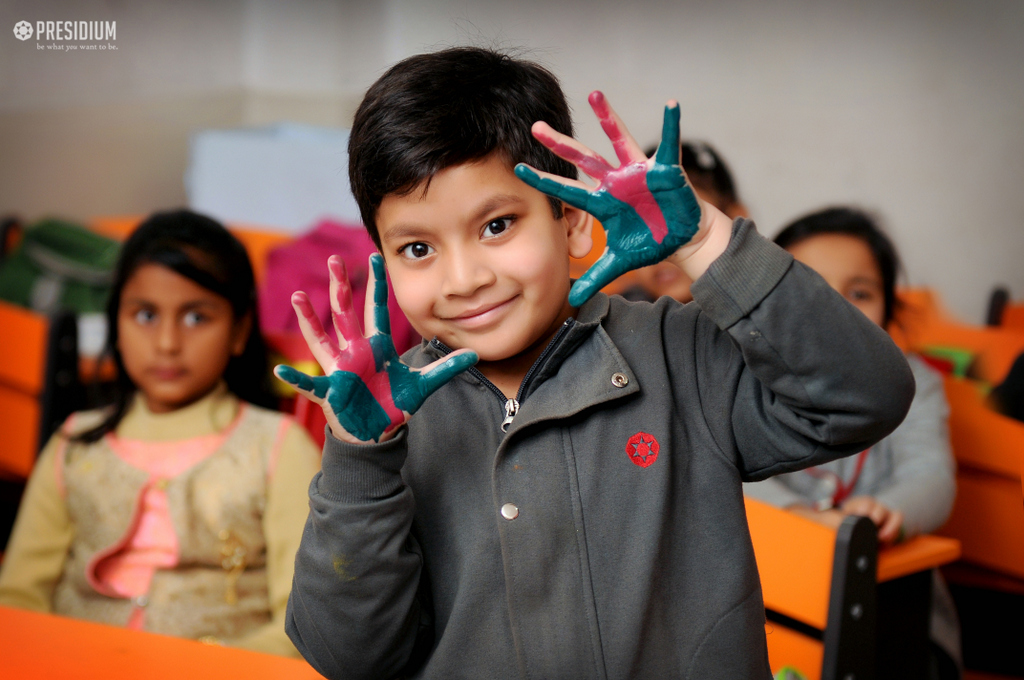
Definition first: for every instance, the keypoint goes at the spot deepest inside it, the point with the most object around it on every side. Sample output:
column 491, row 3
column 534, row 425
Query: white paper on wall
column 284, row 177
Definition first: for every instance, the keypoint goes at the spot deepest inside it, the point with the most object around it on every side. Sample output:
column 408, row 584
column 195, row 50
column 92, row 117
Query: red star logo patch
column 642, row 449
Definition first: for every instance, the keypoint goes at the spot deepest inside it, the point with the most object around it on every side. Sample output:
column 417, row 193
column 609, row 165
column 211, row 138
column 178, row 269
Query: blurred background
column 913, row 109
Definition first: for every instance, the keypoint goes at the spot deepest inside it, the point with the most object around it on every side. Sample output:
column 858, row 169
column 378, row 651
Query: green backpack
column 59, row 266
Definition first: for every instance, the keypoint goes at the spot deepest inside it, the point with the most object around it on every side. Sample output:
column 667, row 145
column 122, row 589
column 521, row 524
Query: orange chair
column 1013, row 316
column 923, row 323
column 835, row 606
column 988, row 516
column 1004, row 313
column 39, row 384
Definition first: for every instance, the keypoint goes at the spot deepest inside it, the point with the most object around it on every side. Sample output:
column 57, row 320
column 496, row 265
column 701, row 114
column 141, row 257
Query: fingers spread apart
column 344, row 318
column 324, row 351
column 626, row 148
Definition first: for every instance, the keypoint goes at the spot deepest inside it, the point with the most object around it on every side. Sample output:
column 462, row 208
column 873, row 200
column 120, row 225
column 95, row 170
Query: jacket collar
column 593, row 371
column 590, row 362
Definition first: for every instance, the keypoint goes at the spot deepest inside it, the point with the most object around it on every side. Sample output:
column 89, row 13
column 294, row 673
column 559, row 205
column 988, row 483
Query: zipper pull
column 511, row 409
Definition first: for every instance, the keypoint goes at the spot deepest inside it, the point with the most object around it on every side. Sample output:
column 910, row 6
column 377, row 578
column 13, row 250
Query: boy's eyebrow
column 493, row 203
column 404, row 231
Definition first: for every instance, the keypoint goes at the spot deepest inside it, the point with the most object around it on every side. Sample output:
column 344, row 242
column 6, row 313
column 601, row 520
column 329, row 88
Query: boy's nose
column 466, row 273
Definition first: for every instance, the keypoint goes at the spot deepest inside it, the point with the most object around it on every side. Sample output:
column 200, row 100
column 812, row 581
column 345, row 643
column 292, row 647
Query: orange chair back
column 22, row 374
column 923, row 322
column 807, row 578
column 39, row 383
column 988, row 516
column 815, row 576
column 1013, row 316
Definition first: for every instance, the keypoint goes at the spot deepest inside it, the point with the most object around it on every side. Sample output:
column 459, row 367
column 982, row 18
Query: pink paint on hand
column 611, row 126
column 380, row 388
column 629, row 185
column 589, row 162
column 300, row 301
column 628, row 182
column 346, row 324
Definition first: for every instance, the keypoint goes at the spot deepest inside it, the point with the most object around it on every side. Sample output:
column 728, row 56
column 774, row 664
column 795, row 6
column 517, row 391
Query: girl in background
column 906, row 483
column 179, row 508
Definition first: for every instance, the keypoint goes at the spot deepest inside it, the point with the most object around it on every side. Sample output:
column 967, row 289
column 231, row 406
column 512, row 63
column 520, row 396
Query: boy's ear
column 240, row 335
column 578, row 227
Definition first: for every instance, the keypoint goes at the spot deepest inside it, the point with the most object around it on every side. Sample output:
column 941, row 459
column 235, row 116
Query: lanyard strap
column 843, row 490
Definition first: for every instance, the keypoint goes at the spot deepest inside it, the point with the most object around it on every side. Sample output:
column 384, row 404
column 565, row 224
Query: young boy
column 571, row 507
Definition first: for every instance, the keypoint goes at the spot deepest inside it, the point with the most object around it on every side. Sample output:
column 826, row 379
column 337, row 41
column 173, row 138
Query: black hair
column 202, row 250
column 437, row 110
column 706, row 170
column 858, row 224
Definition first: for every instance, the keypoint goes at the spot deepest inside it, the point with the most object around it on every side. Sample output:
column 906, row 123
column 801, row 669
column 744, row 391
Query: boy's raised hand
column 366, row 392
column 646, row 206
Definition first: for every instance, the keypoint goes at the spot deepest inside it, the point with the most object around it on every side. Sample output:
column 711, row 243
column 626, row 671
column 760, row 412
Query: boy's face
column 478, row 259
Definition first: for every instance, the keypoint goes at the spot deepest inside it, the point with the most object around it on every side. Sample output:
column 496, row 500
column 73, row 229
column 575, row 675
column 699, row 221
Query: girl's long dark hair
column 202, row 250
column 858, row 224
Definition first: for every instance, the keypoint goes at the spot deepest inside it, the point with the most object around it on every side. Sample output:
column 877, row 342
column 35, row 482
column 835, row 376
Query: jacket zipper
column 511, row 406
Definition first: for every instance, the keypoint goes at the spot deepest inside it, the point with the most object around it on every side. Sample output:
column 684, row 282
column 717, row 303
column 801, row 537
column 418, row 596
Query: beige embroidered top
column 237, row 514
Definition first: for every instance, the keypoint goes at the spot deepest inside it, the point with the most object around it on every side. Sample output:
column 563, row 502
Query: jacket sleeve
column 923, row 481
column 287, row 506
column 353, row 610
column 34, row 559
column 789, row 373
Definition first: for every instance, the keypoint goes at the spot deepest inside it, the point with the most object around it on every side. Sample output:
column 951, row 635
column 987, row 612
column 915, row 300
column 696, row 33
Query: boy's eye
column 496, row 227
column 861, row 295
column 193, row 319
column 415, row 251
column 144, row 317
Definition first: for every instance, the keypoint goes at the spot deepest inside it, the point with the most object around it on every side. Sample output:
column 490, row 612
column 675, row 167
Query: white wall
column 914, row 109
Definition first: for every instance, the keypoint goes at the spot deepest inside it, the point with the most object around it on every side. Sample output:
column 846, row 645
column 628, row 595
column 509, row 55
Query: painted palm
column 646, row 205
column 366, row 390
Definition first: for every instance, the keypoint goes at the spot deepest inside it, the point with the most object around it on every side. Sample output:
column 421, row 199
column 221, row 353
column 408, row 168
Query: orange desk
column 917, row 554
column 789, row 647
column 44, row 647
column 795, row 564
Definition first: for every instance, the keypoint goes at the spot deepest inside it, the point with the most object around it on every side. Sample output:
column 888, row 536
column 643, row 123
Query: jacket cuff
column 736, row 282
column 361, row 472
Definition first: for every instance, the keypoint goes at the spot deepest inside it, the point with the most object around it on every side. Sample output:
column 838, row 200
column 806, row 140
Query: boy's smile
column 478, row 259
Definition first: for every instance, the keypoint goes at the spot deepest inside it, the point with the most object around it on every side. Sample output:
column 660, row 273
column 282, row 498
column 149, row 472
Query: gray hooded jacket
column 604, row 534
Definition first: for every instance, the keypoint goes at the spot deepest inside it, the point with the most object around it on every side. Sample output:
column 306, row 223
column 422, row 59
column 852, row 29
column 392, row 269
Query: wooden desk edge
column 37, row 645
column 917, row 554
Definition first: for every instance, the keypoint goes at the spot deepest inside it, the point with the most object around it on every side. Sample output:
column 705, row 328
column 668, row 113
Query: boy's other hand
column 366, row 392
column 646, row 205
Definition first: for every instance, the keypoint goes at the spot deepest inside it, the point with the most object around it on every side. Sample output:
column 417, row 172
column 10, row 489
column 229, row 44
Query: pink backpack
column 302, row 265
